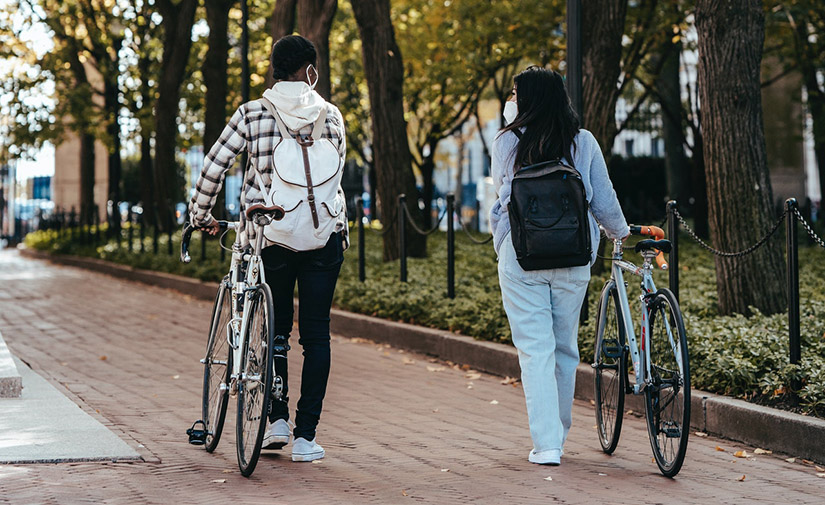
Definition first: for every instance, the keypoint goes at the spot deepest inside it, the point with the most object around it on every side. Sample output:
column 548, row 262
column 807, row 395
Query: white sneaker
column 277, row 435
column 548, row 457
column 306, row 450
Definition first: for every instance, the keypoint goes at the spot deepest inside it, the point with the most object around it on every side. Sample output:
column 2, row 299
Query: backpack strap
column 518, row 133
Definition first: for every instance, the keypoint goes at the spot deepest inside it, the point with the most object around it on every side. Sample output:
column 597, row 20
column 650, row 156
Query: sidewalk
column 397, row 426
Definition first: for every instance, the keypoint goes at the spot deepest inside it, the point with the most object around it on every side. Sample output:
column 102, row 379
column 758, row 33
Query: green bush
column 743, row 357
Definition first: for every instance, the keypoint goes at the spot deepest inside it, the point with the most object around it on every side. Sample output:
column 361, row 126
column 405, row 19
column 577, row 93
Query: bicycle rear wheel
column 217, row 368
column 255, row 381
column 667, row 396
column 610, row 366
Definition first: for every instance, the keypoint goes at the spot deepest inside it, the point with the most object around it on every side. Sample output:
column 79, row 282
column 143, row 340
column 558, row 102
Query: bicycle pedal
column 196, row 436
column 672, row 432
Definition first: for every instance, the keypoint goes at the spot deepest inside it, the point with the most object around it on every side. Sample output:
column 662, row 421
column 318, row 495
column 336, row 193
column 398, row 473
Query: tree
column 731, row 34
column 315, row 21
column 384, row 71
column 282, row 23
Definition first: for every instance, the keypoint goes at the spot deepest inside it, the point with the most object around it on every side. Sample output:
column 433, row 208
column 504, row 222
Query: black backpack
column 549, row 223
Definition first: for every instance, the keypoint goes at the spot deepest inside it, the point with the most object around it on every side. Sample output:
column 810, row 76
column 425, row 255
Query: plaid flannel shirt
column 253, row 128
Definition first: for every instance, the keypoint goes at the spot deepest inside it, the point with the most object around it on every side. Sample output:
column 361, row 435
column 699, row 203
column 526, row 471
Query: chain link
column 471, row 237
column 717, row 252
column 808, row 228
column 419, row 230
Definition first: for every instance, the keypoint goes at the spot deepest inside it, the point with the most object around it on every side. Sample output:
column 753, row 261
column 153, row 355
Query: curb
column 11, row 384
column 734, row 419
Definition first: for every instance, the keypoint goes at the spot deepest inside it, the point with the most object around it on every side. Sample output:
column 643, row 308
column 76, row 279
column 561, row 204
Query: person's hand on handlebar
column 212, row 228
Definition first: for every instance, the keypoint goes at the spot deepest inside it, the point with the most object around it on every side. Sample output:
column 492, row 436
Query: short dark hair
column 289, row 54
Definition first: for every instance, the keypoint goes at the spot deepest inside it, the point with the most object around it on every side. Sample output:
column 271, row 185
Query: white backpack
column 306, row 181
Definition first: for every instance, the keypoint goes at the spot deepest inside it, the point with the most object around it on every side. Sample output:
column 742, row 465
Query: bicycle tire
column 255, row 381
column 667, row 396
column 217, row 369
column 610, row 367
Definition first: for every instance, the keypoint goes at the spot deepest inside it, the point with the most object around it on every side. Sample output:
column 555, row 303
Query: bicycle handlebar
column 186, row 236
column 655, row 232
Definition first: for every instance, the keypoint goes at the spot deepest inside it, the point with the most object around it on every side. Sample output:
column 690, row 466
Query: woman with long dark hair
column 543, row 306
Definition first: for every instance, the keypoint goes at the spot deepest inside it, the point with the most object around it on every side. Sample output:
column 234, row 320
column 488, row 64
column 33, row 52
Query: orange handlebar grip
column 653, row 231
column 660, row 260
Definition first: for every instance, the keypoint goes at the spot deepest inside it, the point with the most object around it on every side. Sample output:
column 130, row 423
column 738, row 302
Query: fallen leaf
column 819, row 468
column 317, row 461
column 741, row 454
column 103, row 358
column 807, row 462
column 602, row 475
column 435, row 410
column 469, row 386
column 763, row 451
column 630, row 412
column 509, row 380
column 386, row 353
column 228, row 471
column 434, row 368
column 741, row 479
column 791, row 460
column 592, row 402
column 445, row 469
column 472, row 375
column 548, row 478
column 219, row 481
column 595, row 426
column 403, row 493
column 408, row 361
column 494, row 402
column 63, row 363
column 176, row 376
column 400, row 351
column 701, row 434
column 465, row 367
column 821, row 475
column 719, row 449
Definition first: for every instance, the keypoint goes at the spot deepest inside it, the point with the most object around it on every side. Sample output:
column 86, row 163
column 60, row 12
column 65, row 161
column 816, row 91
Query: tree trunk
column 314, row 21
column 87, row 176
column 112, row 104
column 214, row 70
column 428, row 188
column 699, row 187
column 178, row 18
column 281, row 24
column 731, row 34
column 601, row 35
column 385, row 79
column 670, row 93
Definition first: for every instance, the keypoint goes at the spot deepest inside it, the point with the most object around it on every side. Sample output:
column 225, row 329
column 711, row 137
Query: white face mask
column 510, row 112
column 313, row 84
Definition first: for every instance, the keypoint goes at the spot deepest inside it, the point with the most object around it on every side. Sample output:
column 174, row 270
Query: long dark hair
column 544, row 110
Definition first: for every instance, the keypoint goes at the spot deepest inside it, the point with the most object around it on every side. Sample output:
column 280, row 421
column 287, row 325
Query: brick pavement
column 397, row 427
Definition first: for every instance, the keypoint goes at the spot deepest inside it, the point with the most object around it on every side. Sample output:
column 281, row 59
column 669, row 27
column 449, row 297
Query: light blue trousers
column 543, row 310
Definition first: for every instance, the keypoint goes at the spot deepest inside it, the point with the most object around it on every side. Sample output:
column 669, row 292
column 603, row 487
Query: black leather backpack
column 548, row 213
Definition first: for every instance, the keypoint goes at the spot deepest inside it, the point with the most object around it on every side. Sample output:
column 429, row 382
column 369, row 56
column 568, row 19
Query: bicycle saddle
column 658, row 245
column 274, row 211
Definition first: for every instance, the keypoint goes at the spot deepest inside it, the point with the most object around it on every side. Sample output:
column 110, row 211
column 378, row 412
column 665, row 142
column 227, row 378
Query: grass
column 743, row 357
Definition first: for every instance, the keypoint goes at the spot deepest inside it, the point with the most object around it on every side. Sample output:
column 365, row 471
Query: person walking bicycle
column 296, row 145
column 552, row 186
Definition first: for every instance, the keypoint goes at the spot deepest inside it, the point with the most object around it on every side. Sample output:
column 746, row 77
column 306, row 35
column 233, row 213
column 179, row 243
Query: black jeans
column 316, row 273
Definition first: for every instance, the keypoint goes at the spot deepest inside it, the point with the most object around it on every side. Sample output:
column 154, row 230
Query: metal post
column 142, row 232
column 673, row 258
column 169, row 221
column 793, row 285
column 450, row 246
column 574, row 55
column 129, row 217
column 155, row 230
column 72, row 218
column 402, row 235
column 362, row 271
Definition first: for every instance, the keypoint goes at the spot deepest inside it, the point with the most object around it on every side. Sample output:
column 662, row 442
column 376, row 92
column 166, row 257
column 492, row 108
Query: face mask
column 510, row 112
column 312, row 86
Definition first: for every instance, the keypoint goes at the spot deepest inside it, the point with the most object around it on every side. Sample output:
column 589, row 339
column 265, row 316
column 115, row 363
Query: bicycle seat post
column 617, row 249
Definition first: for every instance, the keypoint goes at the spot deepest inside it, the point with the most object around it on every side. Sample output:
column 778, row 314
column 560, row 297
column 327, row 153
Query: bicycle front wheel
column 217, row 368
column 610, row 367
column 255, row 381
column 667, row 396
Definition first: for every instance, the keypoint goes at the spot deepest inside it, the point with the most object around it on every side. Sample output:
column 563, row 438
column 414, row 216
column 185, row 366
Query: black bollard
column 362, row 271
column 169, row 222
column 450, row 246
column 129, row 218
column 402, row 235
column 673, row 257
column 792, row 247
column 155, row 238
column 142, row 233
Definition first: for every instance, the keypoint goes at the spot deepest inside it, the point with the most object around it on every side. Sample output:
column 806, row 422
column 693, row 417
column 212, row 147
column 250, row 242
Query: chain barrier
column 471, row 237
column 419, row 230
column 808, row 229
column 724, row 254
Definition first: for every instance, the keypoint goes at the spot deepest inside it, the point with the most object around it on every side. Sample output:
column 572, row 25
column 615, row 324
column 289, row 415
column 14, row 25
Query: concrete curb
column 11, row 384
column 730, row 418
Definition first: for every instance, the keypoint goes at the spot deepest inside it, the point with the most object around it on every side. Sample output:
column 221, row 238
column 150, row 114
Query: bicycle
column 660, row 365
column 242, row 318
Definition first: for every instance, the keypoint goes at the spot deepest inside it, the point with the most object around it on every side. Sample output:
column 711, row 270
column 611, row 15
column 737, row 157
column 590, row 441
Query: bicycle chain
column 724, row 254
column 808, row 229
